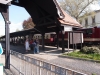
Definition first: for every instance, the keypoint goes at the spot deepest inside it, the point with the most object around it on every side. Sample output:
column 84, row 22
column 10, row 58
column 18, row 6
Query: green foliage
column 84, row 49
column 90, row 50
column 84, row 55
column 94, row 50
column 93, row 74
column 98, row 46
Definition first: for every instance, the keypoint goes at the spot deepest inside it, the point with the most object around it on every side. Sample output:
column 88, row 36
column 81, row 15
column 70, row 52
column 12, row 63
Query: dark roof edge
column 59, row 8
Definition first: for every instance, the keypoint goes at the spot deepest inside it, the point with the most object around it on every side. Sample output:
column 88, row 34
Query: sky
column 17, row 15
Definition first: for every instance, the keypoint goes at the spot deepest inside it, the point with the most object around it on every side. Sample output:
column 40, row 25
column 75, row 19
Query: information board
column 76, row 38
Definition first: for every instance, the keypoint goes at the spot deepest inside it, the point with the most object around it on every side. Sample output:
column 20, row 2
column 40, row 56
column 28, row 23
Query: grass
column 82, row 55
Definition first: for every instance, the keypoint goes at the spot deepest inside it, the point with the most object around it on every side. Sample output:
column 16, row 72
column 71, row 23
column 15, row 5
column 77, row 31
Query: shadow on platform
column 48, row 49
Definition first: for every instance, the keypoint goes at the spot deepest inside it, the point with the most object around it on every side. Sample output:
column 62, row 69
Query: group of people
column 33, row 45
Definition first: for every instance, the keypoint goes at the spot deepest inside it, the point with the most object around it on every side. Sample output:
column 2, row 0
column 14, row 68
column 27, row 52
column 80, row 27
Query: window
column 93, row 20
column 86, row 22
column 88, row 31
column 47, row 37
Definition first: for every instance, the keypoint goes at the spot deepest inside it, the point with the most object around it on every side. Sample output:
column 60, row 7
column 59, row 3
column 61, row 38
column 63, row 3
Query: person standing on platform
column 26, row 45
column 35, row 47
column 37, row 41
column 31, row 46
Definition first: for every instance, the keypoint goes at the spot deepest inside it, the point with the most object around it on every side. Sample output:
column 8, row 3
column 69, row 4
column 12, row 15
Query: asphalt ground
column 52, row 55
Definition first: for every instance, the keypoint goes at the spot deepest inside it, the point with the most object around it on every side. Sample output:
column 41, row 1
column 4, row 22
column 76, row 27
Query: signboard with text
column 76, row 38
column 67, row 28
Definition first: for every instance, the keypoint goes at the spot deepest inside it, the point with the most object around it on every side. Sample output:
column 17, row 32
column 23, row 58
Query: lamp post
column 4, row 9
column 7, row 56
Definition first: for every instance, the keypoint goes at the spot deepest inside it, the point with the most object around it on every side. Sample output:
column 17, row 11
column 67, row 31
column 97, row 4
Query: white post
column 1, row 68
column 68, row 42
column 1, row 65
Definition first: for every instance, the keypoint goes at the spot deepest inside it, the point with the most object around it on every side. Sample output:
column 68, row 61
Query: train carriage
column 49, row 38
column 91, row 35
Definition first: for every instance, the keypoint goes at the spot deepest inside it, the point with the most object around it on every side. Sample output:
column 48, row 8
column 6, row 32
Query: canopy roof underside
column 40, row 9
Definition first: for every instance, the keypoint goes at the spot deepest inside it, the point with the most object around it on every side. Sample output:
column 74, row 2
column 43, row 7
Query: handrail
column 45, row 65
column 17, row 69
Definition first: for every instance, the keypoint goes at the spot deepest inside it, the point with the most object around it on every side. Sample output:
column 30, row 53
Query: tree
column 77, row 8
column 27, row 24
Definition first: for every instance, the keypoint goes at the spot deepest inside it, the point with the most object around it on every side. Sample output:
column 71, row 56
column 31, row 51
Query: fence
column 24, row 65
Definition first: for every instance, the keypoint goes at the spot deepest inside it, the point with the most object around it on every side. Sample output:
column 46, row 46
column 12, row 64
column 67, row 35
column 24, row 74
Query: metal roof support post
column 43, row 42
column 68, row 40
column 5, row 14
column 63, row 45
column 24, row 37
column 73, row 41
column 81, row 39
column 7, row 63
column 57, row 40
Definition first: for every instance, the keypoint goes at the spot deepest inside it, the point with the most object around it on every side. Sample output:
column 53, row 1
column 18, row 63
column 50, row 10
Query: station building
column 91, row 20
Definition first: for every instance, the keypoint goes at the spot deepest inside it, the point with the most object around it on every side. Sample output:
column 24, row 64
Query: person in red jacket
column 31, row 45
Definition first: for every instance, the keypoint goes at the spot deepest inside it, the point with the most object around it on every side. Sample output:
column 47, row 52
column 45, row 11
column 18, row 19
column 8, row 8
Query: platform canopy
column 46, row 12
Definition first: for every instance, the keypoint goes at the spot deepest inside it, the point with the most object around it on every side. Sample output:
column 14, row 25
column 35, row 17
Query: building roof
column 68, row 20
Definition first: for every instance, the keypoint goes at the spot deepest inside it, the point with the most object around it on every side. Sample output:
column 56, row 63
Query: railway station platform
column 52, row 55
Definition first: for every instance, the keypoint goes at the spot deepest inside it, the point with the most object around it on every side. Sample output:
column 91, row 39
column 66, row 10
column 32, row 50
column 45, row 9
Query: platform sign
column 5, row 1
column 67, row 28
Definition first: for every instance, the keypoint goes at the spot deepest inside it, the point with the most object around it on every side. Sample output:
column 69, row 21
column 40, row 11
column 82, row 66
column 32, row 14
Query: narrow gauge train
column 49, row 38
column 90, row 36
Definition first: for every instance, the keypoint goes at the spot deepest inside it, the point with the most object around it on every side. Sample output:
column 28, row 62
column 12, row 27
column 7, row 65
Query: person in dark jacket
column 35, row 47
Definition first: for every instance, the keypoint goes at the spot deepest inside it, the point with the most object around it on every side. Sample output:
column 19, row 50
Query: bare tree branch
column 76, row 7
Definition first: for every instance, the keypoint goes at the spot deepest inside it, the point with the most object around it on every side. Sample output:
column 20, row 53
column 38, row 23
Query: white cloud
column 13, row 27
column 95, row 7
column 2, row 27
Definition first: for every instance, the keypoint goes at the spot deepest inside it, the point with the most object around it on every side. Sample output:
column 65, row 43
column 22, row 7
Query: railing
column 24, row 65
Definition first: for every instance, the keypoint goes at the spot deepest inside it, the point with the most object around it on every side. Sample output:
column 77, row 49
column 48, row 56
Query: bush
column 84, row 49
column 90, row 50
column 98, row 46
